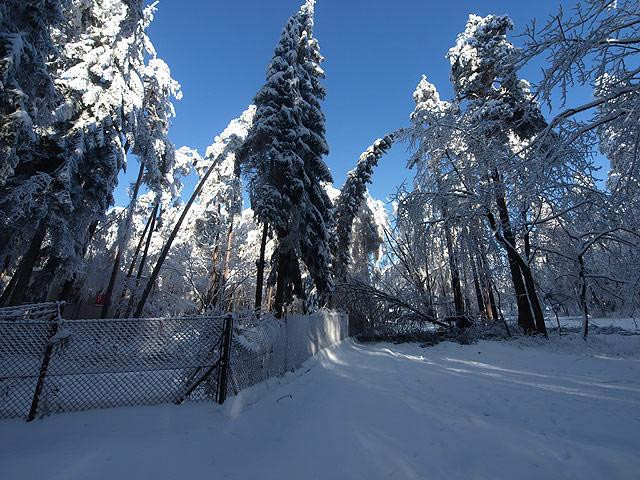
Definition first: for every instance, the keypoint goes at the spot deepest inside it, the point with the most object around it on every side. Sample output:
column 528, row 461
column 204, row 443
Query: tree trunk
column 458, row 301
column 532, row 296
column 289, row 282
column 225, row 264
column 43, row 280
column 260, row 273
column 507, row 239
column 143, row 260
column 583, row 298
column 167, row 246
column 9, row 288
column 27, row 265
column 476, row 286
column 487, row 285
column 134, row 259
column 122, row 243
column 211, row 297
column 281, row 284
column 70, row 289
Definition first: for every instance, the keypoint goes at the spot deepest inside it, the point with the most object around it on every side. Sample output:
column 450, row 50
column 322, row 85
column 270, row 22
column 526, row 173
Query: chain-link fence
column 273, row 347
column 49, row 364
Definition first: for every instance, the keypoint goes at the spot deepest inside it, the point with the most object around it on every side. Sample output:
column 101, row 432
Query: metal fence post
column 44, row 366
column 225, row 356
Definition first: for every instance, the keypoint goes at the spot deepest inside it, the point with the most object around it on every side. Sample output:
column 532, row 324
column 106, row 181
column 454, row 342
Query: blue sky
column 376, row 52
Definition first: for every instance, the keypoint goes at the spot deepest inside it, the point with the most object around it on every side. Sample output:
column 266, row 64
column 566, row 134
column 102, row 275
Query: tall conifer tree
column 283, row 156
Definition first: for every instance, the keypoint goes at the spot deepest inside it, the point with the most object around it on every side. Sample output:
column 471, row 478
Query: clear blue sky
column 376, row 52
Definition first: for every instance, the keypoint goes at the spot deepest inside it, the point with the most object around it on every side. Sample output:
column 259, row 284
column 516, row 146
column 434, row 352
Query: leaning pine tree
column 351, row 199
column 282, row 158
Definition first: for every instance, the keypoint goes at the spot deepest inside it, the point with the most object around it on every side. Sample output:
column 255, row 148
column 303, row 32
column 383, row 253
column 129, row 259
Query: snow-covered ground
column 523, row 409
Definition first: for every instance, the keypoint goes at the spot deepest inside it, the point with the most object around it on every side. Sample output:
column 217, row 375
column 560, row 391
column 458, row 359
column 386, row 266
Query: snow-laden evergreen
column 27, row 93
column 505, row 215
column 283, row 159
column 351, row 198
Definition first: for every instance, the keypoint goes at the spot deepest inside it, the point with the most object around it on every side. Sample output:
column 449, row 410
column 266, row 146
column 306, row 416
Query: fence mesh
column 69, row 365
column 105, row 363
column 273, row 347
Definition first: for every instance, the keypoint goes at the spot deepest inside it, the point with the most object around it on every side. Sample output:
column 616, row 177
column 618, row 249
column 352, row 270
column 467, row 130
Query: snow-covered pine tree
column 504, row 116
column 27, row 98
column 283, row 159
column 350, row 200
column 150, row 142
column 101, row 75
column 27, row 93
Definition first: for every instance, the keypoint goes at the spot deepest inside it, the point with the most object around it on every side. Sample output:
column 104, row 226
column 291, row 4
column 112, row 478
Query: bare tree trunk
column 492, row 306
column 143, row 260
column 260, row 273
column 507, row 239
column 458, row 301
column 122, row 243
column 43, row 280
column 532, row 296
column 288, row 282
column 211, row 297
column 476, row 286
column 269, row 298
column 132, row 265
column 10, row 286
column 583, row 298
column 27, row 265
column 281, row 282
column 487, row 281
column 225, row 264
column 167, row 246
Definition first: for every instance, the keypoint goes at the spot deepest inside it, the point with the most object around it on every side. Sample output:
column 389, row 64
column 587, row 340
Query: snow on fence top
column 38, row 312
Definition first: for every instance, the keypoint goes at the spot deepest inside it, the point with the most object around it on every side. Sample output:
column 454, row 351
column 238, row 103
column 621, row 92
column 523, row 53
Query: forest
column 507, row 216
column 239, row 313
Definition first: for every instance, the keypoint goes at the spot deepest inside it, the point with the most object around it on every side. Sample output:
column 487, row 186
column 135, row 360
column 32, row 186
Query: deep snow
column 523, row 409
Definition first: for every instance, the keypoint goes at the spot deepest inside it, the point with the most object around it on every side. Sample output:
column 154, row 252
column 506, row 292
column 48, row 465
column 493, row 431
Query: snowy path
column 486, row 411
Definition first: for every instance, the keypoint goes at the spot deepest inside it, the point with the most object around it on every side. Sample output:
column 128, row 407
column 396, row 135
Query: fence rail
column 49, row 364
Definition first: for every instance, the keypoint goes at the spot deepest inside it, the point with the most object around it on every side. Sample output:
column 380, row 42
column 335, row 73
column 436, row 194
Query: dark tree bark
column 260, row 273
column 42, row 281
column 288, row 282
column 27, row 264
column 476, row 286
column 143, row 260
column 505, row 236
column 458, row 301
column 150, row 222
column 530, row 317
column 122, row 242
column 211, row 297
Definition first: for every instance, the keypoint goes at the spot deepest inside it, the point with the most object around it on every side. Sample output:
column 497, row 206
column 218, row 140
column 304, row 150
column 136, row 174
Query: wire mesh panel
column 258, row 352
column 105, row 363
column 50, row 365
column 272, row 347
